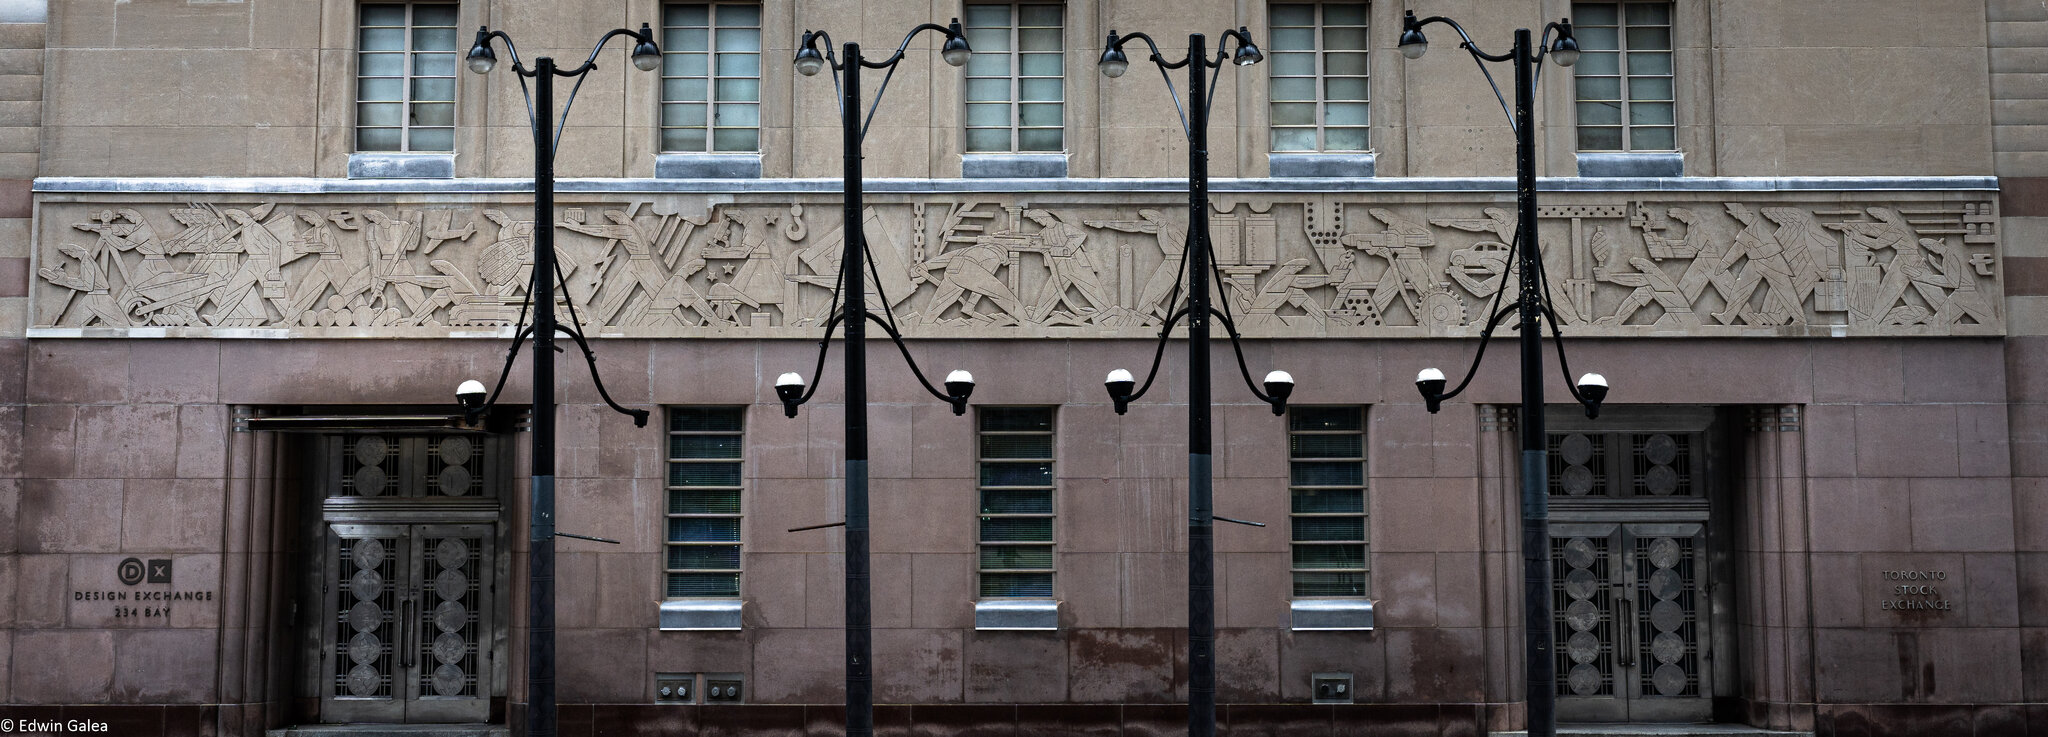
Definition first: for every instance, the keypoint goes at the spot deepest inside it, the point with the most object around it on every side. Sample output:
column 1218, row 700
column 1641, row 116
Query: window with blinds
column 1326, row 475
column 405, row 77
column 1624, row 77
column 711, row 77
column 1016, row 80
column 1319, row 75
column 704, row 458
column 1016, row 539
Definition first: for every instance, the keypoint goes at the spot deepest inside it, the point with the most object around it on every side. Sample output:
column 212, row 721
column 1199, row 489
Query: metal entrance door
column 406, row 625
column 1629, row 600
column 406, row 636
column 1630, row 583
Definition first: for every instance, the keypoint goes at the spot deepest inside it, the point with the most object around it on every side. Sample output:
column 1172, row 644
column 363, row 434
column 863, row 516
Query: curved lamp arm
column 955, row 40
column 646, row 47
column 959, row 384
column 1113, row 64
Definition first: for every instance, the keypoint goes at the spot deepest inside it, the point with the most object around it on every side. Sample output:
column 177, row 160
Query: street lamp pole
column 540, row 650
column 853, row 314
column 1531, row 306
column 1121, row 384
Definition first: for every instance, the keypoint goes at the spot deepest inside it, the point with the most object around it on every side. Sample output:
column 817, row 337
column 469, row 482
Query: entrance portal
column 1632, row 506
column 407, row 577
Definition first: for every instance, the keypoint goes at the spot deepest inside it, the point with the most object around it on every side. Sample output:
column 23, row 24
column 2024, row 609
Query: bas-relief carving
column 1000, row 267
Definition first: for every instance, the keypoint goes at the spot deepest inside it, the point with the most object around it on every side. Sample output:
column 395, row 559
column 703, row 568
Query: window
column 1016, row 501
column 1326, row 472
column 711, row 77
column 1319, row 77
column 704, row 501
column 1624, row 76
column 1016, row 88
column 405, row 84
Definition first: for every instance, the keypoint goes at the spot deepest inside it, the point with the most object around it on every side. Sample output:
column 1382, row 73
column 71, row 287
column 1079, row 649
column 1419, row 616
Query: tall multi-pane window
column 1624, row 76
column 711, row 77
column 704, row 501
column 405, row 77
column 1016, row 501
column 1016, row 87
column 1318, row 91
column 1326, row 474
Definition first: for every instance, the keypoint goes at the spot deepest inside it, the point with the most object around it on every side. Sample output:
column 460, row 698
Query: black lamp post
column 1122, row 385
column 851, row 310
column 1532, row 304
column 540, row 649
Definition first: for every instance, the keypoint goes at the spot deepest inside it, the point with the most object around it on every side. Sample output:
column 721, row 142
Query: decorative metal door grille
column 405, row 577
column 1667, row 641
column 1582, row 594
column 1624, row 465
column 411, row 466
column 365, row 620
column 1629, row 604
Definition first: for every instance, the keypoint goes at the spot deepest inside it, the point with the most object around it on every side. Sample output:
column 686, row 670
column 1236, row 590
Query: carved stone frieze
column 998, row 266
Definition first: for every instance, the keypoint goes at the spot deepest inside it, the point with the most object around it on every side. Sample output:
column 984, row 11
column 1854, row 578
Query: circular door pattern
column 455, row 450
column 364, row 648
column 1582, row 616
column 1576, row 449
column 453, row 480
column 450, row 616
column 1660, row 449
column 448, row 680
column 370, row 481
column 451, row 553
column 366, row 584
column 1669, row 679
column 367, row 553
column 370, row 449
column 1583, row 648
column 1584, row 680
column 365, row 616
column 1667, row 616
column 1578, row 480
column 449, row 648
column 451, row 584
column 363, row 680
column 1580, row 584
column 1578, row 553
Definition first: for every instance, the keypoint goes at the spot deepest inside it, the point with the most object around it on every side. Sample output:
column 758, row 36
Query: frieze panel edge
column 1409, row 265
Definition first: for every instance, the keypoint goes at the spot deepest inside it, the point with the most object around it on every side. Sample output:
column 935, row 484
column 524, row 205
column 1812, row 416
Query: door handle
column 1625, row 632
column 407, row 629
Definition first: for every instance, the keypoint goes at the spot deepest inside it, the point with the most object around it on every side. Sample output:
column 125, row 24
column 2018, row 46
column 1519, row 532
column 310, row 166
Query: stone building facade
column 248, row 249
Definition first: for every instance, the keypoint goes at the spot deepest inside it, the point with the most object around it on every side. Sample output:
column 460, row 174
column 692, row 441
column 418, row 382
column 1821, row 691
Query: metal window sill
column 707, row 166
column 1321, row 165
column 1322, row 615
column 1632, row 164
column 1013, row 166
column 701, row 615
column 391, row 165
column 1029, row 615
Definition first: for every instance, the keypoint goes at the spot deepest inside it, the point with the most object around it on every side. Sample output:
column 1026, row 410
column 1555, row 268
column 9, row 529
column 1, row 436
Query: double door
column 405, row 635
column 1631, row 621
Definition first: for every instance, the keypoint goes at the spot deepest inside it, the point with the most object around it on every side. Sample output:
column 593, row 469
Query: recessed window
column 1016, row 86
column 1318, row 88
column 711, row 77
column 405, row 77
column 1326, row 477
column 1624, row 76
column 1016, row 501
column 704, row 445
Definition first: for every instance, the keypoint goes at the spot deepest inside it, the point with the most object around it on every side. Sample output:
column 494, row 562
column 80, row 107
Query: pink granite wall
column 1881, row 455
